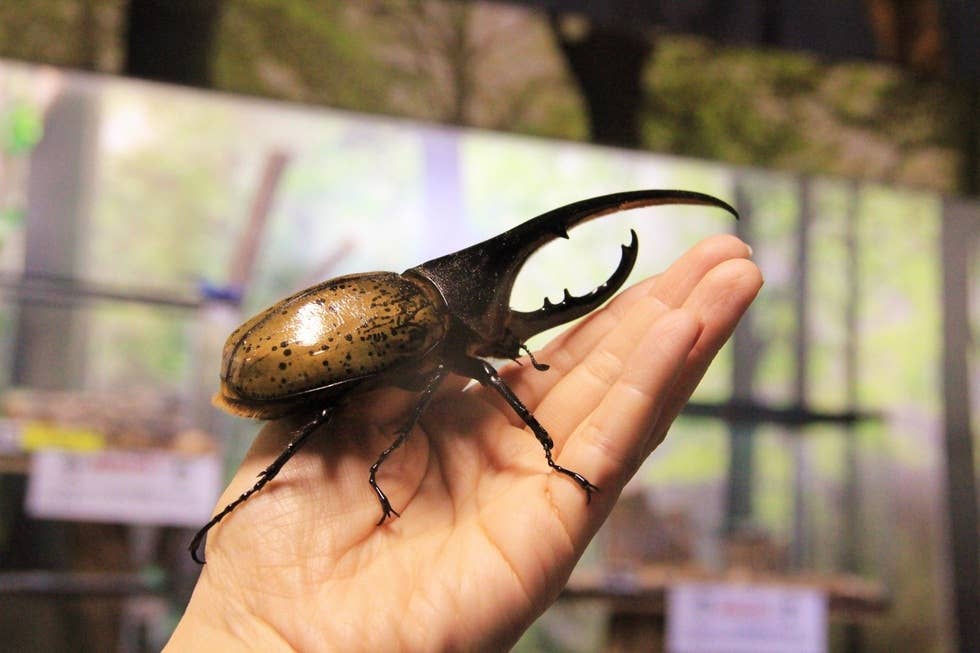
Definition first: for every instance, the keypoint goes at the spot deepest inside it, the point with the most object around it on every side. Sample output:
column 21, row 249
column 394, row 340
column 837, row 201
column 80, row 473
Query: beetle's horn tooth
column 525, row 324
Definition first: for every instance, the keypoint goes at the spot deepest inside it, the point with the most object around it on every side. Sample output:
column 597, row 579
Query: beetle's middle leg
column 431, row 384
column 485, row 373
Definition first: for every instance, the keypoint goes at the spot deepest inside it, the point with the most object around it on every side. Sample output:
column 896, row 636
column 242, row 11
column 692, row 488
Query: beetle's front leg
column 431, row 384
column 485, row 373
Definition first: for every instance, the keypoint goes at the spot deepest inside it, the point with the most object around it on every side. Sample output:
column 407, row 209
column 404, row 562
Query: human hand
column 488, row 534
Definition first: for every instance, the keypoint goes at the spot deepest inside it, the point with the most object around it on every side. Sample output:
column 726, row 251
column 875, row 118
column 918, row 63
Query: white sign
column 727, row 618
column 137, row 487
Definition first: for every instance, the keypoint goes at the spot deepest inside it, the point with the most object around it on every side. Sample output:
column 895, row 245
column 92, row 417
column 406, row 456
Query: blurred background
column 169, row 167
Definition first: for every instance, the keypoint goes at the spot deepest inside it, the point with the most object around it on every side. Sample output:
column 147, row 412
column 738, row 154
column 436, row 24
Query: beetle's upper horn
column 476, row 282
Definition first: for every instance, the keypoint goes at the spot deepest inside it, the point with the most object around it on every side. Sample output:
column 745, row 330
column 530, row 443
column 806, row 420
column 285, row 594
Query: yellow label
column 41, row 435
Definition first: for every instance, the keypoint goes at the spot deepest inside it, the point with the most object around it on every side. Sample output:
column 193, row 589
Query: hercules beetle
column 323, row 344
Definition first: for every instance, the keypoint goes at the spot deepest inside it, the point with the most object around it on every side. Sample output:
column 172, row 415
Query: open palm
column 488, row 534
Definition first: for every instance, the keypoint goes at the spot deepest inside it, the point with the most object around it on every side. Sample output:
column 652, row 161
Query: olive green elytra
column 335, row 333
column 325, row 345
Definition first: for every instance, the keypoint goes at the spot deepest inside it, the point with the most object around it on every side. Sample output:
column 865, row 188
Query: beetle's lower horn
column 524, row 324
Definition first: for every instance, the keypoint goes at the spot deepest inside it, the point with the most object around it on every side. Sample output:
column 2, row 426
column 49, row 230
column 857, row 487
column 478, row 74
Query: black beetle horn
column 523, row 325
column 476, row 282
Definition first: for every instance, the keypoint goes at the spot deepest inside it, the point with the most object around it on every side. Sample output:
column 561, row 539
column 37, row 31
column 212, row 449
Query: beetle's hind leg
column 264, row 477
column 431, row 384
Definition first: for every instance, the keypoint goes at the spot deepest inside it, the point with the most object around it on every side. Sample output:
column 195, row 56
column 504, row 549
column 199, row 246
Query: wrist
column 210, row 624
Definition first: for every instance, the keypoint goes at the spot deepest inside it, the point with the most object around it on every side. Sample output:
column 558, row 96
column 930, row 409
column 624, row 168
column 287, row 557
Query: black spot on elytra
column 282, row 366
column 274, row 348
column 287, row 352
column 349, row 338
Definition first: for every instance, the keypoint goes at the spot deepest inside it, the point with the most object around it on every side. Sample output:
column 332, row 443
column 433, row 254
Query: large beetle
column 323, row 344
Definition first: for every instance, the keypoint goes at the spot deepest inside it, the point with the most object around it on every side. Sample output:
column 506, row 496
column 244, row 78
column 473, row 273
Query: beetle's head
column 476, row 282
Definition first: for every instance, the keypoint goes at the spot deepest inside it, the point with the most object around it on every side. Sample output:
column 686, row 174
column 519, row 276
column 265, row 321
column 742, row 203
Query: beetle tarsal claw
column 541, row 367
column 387, row 512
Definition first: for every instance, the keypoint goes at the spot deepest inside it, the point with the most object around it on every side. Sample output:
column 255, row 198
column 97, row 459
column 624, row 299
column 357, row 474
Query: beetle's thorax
column 478, row 311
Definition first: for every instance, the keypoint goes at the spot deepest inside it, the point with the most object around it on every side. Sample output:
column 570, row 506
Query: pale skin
column 488, row 535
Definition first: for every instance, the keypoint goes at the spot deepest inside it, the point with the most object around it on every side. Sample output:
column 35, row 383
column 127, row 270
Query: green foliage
column 695, row 453
column 10, row 219
column 497, row 66
column 164, row 181
column 166, row 200
column 305, row 51
column 138, row 347
column 733, row 106
column 900, row 305
column 21, row 128
column 773, row 480
column 74, row 33
column 789, row 110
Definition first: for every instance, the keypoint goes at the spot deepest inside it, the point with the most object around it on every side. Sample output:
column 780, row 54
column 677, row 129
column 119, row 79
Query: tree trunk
column 172, row 40
column 608, row 65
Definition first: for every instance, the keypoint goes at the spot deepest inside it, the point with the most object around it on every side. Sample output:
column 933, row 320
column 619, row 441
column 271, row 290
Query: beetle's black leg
column 265, row 476
column 431, row 384
column 485, row 373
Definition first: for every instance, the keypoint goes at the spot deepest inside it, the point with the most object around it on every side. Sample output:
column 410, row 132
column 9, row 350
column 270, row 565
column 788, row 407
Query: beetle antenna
column 541, row 367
